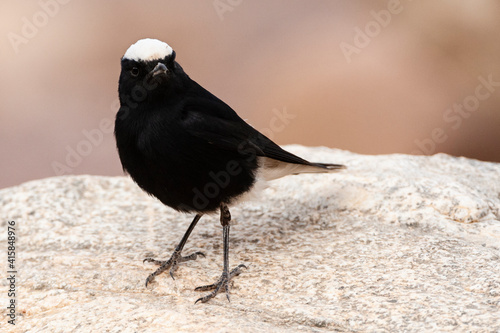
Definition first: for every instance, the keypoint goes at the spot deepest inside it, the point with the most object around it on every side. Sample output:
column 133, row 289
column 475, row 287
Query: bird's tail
column 273, row 169
column 317, row 168
column 329, row 167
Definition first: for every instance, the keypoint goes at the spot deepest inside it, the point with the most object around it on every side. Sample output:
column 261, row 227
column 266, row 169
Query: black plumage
column 188, row 148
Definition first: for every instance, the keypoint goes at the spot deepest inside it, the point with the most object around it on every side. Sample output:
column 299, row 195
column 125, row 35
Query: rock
column 393, row 243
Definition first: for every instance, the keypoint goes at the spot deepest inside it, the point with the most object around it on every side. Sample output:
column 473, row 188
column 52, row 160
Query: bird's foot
column 171, row 264
column 220, row 285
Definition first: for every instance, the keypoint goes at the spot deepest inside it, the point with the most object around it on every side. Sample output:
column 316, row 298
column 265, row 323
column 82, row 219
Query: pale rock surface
column 393, row 243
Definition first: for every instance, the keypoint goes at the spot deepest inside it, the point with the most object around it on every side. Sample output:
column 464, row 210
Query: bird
column 190, row 150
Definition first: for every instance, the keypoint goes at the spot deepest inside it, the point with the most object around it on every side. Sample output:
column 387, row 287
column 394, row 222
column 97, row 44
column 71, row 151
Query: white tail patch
column 270, row 169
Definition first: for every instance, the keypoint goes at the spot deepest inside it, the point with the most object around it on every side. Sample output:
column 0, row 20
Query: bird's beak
column 159, row 69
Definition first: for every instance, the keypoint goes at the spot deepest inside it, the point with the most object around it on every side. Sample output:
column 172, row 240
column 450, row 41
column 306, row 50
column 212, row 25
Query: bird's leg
column 176, row 257
column 223, row 282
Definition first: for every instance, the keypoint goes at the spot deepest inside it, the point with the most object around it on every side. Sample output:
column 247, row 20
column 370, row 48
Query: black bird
column 189, row 149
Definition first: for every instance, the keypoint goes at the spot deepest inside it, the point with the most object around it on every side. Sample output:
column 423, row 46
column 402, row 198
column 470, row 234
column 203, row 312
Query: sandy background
column 60, row 62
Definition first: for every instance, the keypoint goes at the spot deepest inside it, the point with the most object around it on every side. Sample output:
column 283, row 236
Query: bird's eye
column 134, row 71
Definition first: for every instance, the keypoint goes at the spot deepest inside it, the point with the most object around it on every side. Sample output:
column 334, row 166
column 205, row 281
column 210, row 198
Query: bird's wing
column 216, row 123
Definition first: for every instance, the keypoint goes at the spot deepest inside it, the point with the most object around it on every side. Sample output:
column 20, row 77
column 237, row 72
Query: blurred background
column 372, row 77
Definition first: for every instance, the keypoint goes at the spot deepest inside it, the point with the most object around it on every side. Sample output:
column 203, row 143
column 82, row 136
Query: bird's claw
column 220, row 285
column 171, row 264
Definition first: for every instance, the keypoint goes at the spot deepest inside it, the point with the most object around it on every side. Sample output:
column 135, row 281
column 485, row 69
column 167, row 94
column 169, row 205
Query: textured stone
column 393, row 243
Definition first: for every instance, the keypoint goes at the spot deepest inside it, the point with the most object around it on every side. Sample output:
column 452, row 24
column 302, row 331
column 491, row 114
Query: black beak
column 159, row 69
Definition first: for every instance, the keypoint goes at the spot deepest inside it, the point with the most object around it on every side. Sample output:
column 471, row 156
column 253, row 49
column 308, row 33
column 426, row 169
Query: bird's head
column 147, row 66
